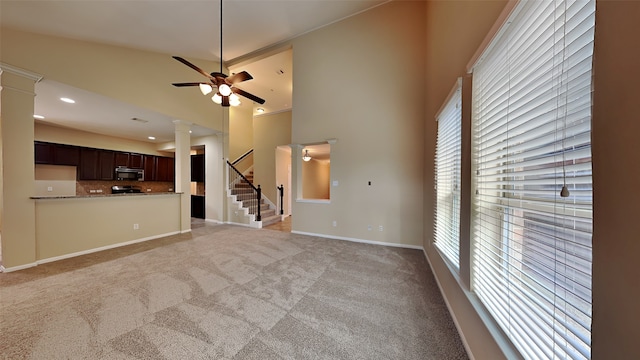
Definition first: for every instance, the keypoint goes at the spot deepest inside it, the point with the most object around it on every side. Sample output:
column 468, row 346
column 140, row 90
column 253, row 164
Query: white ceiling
column 187, row 28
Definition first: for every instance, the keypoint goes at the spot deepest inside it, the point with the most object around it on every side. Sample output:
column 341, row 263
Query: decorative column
column 17, row 179
column 183, row 172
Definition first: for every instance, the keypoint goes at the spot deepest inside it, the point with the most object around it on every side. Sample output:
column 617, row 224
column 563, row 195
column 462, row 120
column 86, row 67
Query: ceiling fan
column 227, row 93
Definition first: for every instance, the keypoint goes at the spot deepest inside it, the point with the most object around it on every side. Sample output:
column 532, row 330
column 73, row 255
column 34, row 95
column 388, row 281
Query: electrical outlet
column 136, row 226
column 369, row 227
column 335, row 223
column 92, row 191
column 380, row 228
column 49, row 188
column 99, row 190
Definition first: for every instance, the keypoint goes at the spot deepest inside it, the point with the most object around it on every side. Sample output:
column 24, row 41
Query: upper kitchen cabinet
column 56, row 154
column 96, row 164
column 164, row 168
column 129, row 160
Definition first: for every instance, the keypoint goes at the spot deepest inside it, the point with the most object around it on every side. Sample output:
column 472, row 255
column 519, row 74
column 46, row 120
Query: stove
column 124, row 189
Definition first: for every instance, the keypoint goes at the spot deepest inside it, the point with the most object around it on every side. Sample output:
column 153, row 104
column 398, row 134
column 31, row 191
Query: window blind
column 531, row 119
column 447, row 163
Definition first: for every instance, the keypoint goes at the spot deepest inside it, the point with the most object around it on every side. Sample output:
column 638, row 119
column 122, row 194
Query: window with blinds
column 447, row 161
column 531, row 119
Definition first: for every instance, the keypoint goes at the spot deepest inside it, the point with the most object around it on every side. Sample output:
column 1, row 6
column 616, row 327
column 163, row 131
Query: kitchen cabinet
column 129, row 160
column 165, row 168
column 66, row 155
column 197, row 206
column 88, row 169
column 136, row 161
column 122, row 159
column 197, row 168
column 96, row 164
column 43, row 152
column 106, row 165
column 56, row 154
column 99, row 164
column 149, row 167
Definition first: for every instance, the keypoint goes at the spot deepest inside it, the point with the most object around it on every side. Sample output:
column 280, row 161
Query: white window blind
column 531, row 251
column 447, row 161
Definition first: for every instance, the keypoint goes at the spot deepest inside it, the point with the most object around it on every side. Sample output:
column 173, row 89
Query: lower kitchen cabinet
column 197, row 206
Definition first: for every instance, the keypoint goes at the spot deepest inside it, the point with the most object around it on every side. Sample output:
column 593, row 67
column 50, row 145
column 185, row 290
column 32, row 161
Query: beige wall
column 69, row 226
column 269, row 132
column 55, row 180
column 378, row 123
column 16, row 122
column 60, row 135
column 616, row 176
column 136, row 77
column 240, row 131
column 316, row 178
column 455, row 30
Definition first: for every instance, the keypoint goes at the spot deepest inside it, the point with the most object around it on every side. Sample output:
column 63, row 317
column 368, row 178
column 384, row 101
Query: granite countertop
column 103, row 195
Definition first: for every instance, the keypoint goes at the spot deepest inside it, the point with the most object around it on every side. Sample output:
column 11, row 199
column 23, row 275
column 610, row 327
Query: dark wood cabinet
column 197, row 206
column 96, row 164
column 43, row 152
column 165, row 168
column 56, row 154
column 197, row 168
column 66, row 155
column 100, row 164
column 88, row 169
column 106, row 165
column 136, row 161
column 149, row 167
column 122, row 159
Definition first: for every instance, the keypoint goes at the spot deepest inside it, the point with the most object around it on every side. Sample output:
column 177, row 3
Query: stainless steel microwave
column 124, row 173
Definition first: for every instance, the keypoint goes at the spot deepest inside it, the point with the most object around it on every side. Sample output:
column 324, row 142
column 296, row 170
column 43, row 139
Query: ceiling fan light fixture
column 306, row 156
column 217, row 98
column 234, row 100
column 224, row 90
column 205, row 89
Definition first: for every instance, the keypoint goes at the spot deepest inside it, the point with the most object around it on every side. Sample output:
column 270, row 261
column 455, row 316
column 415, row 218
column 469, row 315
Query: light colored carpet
column 227, row 292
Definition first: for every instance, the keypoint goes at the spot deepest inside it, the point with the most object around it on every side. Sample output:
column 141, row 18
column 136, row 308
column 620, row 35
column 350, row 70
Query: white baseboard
column 19, row 267
column 405, row 246
column 85, row 252
column 214, row 221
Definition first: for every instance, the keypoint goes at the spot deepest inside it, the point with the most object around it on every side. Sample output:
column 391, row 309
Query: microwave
column 124, row 173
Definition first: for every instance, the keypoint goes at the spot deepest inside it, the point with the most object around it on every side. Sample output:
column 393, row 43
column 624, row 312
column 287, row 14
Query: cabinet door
column 162, row 168
column 89, row 164
column 107, row 165
column 136, row 161
column 197, row 168
column 149, row 168
column 66, row 155
column 43, row 152
column 122, row 159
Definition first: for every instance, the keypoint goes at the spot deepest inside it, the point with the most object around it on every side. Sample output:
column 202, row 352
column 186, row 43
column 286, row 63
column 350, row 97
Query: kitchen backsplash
column 104, row 187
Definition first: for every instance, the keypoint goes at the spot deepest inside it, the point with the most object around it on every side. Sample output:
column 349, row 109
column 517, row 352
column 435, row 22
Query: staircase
column 244, row 194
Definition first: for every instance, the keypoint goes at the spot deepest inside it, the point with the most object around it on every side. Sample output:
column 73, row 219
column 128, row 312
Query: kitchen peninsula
column 76, row 211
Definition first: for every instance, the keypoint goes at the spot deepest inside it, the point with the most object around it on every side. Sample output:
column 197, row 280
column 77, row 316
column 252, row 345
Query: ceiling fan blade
column 239, row 77
column 217, row 74
column 225, row 101
column 247, row 95
column 193, row 67
column 189, row 84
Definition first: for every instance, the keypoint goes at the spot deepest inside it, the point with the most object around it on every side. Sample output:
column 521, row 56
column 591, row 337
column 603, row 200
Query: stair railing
column 281, row 196
column 236, row 177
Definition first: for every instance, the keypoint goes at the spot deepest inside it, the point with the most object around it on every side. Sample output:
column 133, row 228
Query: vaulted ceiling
column 189, row 28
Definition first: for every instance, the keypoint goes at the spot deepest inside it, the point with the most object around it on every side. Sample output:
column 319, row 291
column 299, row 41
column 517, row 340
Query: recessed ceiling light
column 151, row 138
column 260, row 110
column 38, row 117
column 67, row 100
column 190, row 132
